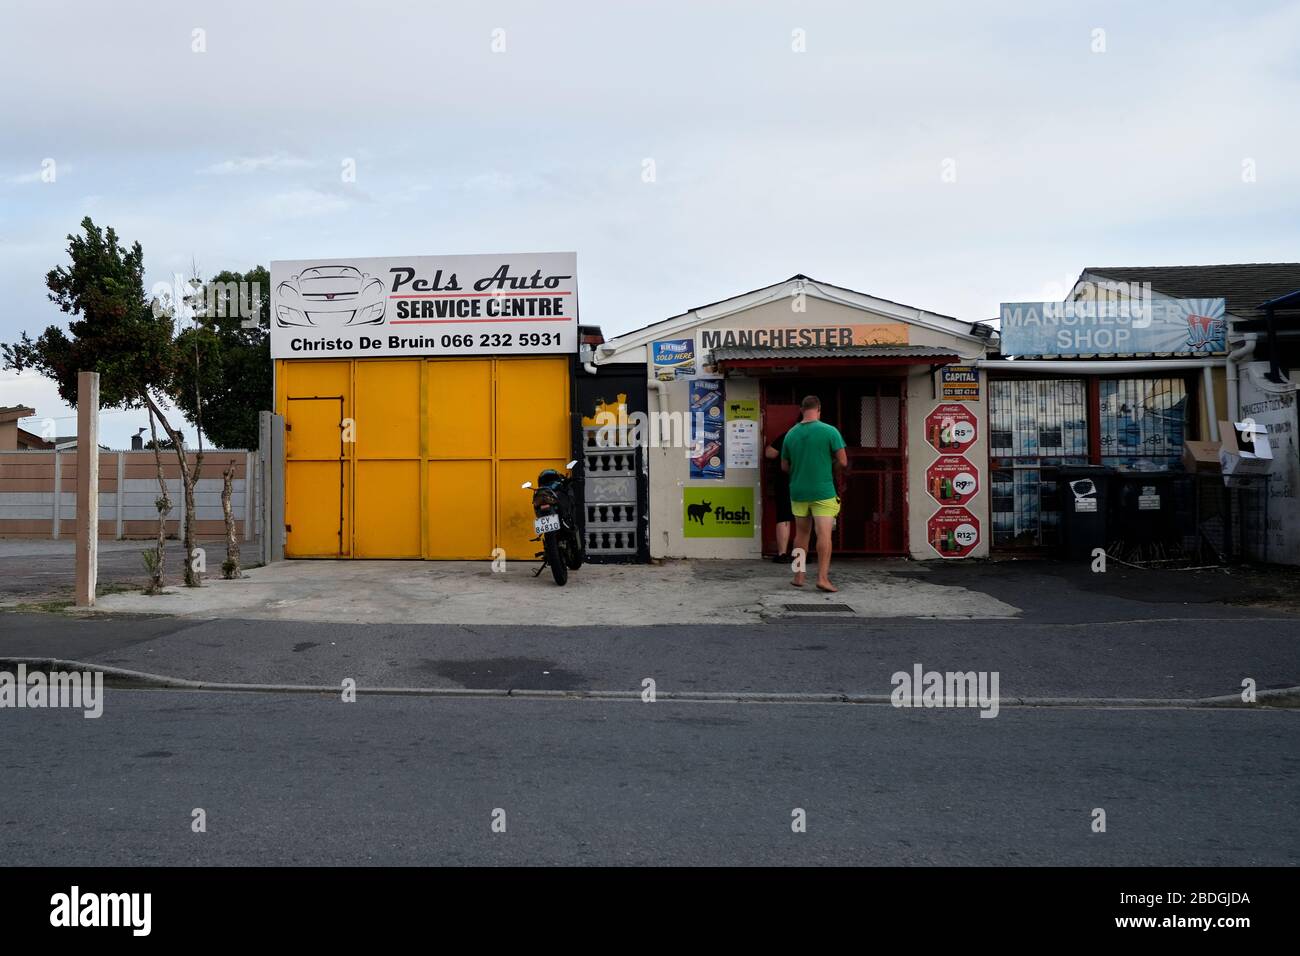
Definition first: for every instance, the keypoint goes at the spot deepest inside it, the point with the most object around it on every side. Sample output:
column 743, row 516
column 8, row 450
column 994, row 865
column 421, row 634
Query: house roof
column 33, row 439
column 778, row 290
column 758, row 352
column 9, row 413
column 1243, row 286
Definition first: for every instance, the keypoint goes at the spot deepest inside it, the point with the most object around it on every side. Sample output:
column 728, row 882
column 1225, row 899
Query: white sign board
column 742, row 444
column 425, row 305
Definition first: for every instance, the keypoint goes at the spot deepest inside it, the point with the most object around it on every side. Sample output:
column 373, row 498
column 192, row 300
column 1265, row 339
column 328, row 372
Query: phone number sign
column 952, row 480
column 953, row 532
column 951, row 429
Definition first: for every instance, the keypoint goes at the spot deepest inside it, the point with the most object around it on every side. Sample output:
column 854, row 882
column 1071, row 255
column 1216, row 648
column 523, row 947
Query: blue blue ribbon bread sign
column 673, row 359
column 708, row 448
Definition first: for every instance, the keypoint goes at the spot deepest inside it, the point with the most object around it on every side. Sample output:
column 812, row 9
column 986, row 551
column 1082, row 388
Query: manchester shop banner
column 516, row 304
column 1155, row 324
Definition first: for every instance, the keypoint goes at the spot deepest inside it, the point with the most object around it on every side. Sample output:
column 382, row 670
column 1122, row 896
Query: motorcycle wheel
column 573, row 555
column 559, row 570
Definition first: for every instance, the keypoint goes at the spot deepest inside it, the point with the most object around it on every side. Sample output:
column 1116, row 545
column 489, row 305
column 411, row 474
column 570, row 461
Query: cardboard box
column 1201, row 457
column 1245, row 452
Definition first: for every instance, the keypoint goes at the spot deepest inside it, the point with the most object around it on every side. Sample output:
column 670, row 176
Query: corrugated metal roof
column 1244, row 285
column 735, row 353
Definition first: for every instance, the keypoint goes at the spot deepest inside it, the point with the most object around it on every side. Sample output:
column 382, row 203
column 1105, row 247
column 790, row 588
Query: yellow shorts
column 826, row 508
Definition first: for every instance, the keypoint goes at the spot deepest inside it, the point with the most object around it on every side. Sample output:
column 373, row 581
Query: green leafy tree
column 224, row 358
column 117, row 331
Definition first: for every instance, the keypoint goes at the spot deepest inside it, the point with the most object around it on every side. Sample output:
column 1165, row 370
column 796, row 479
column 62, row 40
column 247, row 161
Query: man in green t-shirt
column 813, row 455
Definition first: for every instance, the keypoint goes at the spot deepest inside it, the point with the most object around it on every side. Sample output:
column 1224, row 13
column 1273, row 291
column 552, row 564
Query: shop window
column 1142, row 423
column 880, row 421
column 1034, row 426
column 1037, row 425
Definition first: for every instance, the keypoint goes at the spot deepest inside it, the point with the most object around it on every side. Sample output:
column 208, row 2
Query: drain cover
column 817, row 608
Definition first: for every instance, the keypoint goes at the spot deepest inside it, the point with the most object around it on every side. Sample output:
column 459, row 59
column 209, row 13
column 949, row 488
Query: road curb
column 1287, row 697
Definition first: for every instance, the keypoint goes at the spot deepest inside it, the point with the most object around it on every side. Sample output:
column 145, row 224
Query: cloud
column 245, row 165
column 305, row 202
column 42, row 174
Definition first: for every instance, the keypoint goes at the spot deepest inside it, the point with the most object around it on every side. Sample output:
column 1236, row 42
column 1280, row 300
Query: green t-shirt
column 810, row 447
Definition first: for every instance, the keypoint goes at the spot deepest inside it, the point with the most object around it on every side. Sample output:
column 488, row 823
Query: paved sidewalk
column 623, row 596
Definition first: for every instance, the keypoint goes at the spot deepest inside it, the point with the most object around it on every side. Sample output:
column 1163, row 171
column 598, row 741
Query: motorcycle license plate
column 547, row 523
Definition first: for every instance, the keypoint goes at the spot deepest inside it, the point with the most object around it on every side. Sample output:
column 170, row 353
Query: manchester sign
column 1150, row 325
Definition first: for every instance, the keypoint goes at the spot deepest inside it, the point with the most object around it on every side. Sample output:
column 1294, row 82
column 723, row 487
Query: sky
column 947, row 155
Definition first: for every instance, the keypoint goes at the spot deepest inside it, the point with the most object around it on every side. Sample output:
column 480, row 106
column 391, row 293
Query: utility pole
column 87, row 487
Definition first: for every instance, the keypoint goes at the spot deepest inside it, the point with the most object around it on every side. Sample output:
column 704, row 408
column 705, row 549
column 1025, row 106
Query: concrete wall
column 924, row 394
column 670, row 472
column 1274, row 407
column 38, row 493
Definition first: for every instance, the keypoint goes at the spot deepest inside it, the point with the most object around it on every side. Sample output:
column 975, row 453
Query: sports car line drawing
column 331, row 297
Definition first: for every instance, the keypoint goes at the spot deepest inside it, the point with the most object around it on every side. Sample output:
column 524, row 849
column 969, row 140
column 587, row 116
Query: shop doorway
column 870, row 414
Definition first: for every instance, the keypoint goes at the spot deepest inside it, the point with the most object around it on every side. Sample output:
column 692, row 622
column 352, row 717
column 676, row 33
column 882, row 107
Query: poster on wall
column 952, row 480
column 953, row 532
column 718, row 512
column 742, row 444
column 951, row 429
column 673, row 359
column 708, row 449
column 959, row 383
column 742, row 433
column 520, row 304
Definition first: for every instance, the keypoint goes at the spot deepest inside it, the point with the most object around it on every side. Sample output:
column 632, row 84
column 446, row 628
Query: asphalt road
column 312, row 780
column 1183, row 654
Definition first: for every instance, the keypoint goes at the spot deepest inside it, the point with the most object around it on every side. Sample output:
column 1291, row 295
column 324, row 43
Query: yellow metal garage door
column 315, row 400
column 408, row 458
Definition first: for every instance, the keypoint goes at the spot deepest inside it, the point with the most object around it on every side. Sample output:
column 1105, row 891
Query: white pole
column 87, row 487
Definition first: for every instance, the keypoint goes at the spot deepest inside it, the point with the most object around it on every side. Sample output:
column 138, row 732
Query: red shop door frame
column 874, row 517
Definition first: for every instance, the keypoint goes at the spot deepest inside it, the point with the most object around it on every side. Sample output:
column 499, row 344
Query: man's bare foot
column 797, row 580
column 827, row 586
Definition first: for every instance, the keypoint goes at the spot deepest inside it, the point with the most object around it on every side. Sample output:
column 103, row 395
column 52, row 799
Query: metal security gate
column 1133, row 425
column 1034, row 426
column 870, row 415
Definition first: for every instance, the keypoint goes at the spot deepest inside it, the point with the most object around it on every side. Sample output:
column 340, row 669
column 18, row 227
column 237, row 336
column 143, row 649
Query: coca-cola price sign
column 952, row 480
column 953, row 532
column 951, row 429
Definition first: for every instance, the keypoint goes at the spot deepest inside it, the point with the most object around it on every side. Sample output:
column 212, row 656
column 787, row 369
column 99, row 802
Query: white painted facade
column 818, row 305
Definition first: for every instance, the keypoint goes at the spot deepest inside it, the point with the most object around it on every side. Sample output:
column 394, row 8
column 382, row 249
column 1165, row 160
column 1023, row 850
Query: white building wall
column 1274, row 406
column 669, row 468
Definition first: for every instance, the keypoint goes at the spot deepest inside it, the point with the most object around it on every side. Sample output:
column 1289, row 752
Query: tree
column 119, row 333
column 224, row 361
column 226, row 356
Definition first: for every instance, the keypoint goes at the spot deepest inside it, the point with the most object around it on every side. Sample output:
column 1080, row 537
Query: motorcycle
column 556, row 523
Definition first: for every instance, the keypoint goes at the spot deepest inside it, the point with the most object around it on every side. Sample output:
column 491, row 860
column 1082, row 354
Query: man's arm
column 838, row 465
column 771, row 453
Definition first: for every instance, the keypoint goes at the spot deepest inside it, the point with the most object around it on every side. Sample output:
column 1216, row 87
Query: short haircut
column 810, row 402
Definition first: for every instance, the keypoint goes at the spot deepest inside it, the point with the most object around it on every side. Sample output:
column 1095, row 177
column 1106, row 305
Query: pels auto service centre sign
column 425, row 305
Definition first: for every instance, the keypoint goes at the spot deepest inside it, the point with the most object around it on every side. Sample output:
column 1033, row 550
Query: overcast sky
column 767, row 161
